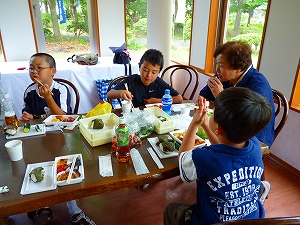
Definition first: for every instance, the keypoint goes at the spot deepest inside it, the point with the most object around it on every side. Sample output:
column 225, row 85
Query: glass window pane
column 181, row 32
column 65, row 25
column 136, row 26
column 245, row 22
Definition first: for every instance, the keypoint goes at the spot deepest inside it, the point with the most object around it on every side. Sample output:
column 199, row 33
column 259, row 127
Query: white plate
column 159, row 152
column 159, row 105
column 179, row 141
column 72, row 181
column 20, row 132
column 29, row 187
column 48, row 120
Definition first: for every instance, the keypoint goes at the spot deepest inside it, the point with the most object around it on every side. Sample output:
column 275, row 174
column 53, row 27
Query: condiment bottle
column 8, row 109
column 123, row 145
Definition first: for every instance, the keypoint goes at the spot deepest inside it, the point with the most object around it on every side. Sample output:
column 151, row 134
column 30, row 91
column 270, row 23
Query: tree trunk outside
column 54, row 18
column 237, row 22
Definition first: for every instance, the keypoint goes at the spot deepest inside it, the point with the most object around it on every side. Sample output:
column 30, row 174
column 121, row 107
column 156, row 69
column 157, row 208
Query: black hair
column 155, row 57
column 237, row 54
column 48, row 58
column 242, row 113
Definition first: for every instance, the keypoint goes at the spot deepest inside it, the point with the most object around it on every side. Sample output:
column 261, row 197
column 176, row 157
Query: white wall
column 281, row 48
column 111, row 25
column 279, row 63
column 15, row 31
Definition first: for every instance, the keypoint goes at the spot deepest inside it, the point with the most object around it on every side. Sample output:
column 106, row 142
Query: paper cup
column 126, row 106
column 14, row 149
column 185, row 110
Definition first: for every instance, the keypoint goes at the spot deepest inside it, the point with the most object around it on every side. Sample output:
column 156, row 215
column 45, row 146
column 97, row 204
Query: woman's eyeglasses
column 38, row 69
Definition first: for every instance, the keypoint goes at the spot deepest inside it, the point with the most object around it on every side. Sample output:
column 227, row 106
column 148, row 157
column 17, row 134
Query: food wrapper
column 140, row 123
column 102, row 108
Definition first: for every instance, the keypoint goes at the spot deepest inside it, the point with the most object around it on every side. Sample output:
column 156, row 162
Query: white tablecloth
column 14, row 82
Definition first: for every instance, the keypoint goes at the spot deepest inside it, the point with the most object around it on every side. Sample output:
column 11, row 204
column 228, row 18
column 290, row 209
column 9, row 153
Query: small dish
column 178, row 135
column 158, row 151
column 29, row 187
column 62, row 120
column 66, row 162
column 20, row 132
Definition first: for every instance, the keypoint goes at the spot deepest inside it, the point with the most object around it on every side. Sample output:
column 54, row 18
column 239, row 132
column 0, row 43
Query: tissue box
column 102, row 136
column 162, row 127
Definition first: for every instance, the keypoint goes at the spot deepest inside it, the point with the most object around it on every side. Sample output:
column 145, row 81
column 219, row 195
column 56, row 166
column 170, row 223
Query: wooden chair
column 281, row 104
column 191, row 81
column 70, row 86
column 115, row 81
column 264, row 221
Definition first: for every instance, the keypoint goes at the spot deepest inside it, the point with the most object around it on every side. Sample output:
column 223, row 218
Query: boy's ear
column 219, row 129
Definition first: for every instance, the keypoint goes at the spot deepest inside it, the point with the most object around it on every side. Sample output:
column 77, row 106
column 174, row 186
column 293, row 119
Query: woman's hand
column 215, row 86
column 26, row 117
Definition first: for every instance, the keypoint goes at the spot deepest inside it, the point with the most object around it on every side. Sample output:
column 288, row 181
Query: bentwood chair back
column 75, row 93
column 113, row 83
column 71, row 86
column 183, row 78
column 264, row 221
column 281, row 110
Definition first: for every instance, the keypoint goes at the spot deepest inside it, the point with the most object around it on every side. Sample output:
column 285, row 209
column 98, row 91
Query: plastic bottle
column 8, row 109
column 167, row 102
column 123, row 141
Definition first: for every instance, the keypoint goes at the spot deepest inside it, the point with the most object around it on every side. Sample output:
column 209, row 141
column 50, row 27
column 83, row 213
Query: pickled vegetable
column 26, row 127
column 37, row 128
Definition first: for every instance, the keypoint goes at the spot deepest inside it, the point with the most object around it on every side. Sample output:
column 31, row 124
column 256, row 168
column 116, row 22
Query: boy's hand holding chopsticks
column 40, row 83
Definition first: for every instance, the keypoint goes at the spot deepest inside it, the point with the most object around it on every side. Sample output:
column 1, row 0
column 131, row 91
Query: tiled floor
column 145, row 206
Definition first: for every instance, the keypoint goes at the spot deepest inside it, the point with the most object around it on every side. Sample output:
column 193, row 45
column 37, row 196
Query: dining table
column 45, row 147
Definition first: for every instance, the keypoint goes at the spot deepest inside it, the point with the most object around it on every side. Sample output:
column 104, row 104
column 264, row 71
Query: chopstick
column 71, row 170
column 133, row 109
column 192, row 106
column 40, row 83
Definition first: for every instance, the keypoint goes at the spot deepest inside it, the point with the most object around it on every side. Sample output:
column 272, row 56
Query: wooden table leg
column 4, row 221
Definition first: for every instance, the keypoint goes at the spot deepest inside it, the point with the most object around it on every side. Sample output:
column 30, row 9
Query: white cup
column 126, row 106
column 14, row 149
column 185, row 110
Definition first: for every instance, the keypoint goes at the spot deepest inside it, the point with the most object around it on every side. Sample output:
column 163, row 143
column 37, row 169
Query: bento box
column 102, row 136
column 163, row 123
column 62, row 166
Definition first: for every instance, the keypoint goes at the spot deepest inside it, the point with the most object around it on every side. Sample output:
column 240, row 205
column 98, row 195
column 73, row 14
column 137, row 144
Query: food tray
column 48, row 120
column 158, row 151
column 183, row 132
column 162, row 127
column 97, row 137
column 29, row 187
column 70, row 159
column 20, row 132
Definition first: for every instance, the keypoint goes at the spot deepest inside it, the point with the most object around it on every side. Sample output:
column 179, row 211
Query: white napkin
column 105, row 166
column 138, row 162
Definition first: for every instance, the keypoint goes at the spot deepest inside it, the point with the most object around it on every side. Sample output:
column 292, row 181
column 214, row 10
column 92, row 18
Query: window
column 245, row 22
column 65, row 27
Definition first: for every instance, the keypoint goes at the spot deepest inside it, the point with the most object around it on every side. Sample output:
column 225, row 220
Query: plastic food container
column 61, row 120
column 163, row 123
column 102, row 136
column 62, row 165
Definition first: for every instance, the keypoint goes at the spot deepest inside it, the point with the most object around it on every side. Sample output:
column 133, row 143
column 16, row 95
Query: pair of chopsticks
column 40, row 83
column 126, row 87
column 192, row 106
column 71, row 170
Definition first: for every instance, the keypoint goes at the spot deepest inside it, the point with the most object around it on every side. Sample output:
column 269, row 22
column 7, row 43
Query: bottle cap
column 167, row 91
column 121, row 120
column 6, row 95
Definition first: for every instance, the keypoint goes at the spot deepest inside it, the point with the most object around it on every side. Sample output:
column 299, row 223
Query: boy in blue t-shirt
column 48, row 96
column 228, row 172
